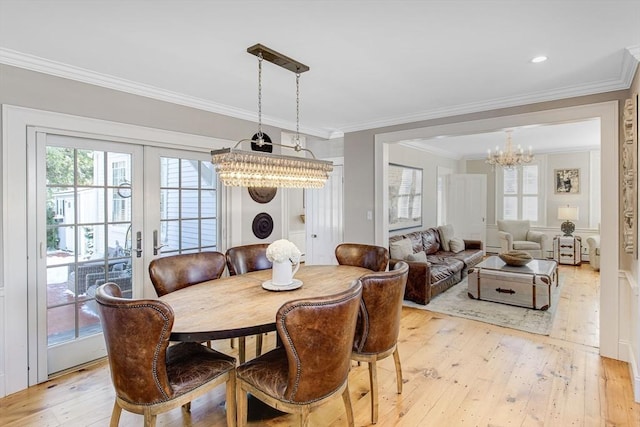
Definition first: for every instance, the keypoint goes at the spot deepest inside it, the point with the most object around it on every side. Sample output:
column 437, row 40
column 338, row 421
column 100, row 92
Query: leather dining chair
column 149, row 376
column 378, row 326
column 248, row 258
column 374, row 258
column 174, row 272
column 245, row 259
column 312, row 365
column 170, row 273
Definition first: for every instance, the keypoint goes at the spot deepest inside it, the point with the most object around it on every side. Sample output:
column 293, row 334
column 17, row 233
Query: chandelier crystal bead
column 509, row 158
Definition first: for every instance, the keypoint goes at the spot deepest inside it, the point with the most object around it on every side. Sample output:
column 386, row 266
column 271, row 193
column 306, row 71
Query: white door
column 181, row 201
column 324, row 219
column 89, row 195
column 467, row 205
column 95, row 227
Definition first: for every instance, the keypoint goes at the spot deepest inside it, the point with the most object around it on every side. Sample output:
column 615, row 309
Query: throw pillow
column 456, row 245
column 419, row 257
column 446, row 234
column 400, row 249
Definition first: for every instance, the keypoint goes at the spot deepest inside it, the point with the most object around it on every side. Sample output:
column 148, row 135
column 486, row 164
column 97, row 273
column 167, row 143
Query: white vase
column 283, row 272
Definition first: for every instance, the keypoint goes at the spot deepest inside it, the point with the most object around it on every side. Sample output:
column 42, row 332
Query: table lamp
column 568, row 214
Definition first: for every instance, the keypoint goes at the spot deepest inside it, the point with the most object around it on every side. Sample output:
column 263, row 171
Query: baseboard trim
column 634, row 374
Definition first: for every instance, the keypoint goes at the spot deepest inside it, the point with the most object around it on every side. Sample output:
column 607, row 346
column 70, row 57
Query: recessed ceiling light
column 540, row 58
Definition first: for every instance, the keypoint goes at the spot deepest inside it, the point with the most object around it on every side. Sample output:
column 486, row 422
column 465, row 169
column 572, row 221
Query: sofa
column 442, row 267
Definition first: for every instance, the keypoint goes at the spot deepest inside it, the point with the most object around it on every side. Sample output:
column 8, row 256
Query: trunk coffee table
column 525, row 286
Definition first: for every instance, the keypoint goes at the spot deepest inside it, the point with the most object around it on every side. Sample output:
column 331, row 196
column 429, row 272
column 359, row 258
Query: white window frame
column 542, row 194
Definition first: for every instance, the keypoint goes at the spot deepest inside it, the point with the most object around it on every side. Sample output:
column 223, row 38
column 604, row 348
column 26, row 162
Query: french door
column 89, row 203
column 105, row 210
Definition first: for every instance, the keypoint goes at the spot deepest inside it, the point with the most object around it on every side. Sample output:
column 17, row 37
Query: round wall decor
column 262, row 194
column 262, row 225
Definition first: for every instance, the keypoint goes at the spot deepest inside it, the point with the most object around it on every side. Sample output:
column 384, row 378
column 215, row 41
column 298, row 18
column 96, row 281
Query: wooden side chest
column 567, row 250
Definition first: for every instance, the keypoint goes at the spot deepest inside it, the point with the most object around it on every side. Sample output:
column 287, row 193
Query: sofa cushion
column 400, row 249
column 431, row 241
column 445, row 259
column 446, row 234
column 524, row 245
column 470, row 257
column 418, row 257
column 456, row 245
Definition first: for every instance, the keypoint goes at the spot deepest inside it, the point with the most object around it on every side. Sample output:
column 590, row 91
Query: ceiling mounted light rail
column 238, row 168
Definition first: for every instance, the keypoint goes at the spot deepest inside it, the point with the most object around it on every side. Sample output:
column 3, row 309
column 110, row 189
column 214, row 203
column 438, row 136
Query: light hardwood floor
column 457, row 372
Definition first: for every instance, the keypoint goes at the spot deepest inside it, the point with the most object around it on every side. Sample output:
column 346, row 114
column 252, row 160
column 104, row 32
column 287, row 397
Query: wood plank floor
column 457, row 372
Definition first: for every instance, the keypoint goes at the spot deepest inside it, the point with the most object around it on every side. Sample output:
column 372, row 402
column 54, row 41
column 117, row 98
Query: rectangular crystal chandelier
column 238, row 168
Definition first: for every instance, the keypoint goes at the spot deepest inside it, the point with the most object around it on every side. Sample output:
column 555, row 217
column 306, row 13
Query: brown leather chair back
column 374, row 258
column 317, row 334
column 379, row 319
column 175, row 272
column 248, row 258
column 137, row 336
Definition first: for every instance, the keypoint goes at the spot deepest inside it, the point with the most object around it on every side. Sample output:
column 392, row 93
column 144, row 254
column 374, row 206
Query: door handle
column 138, row 244
column 156, row 247
column 313, row 236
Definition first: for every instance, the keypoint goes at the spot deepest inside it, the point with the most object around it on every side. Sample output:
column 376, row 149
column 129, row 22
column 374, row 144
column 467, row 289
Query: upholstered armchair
column 149, row 375
column 378, row 325
column 516, row 235
column 241, row 260
column 171, row 273
column 374, row 258
column 594, row 251
column 312, row 365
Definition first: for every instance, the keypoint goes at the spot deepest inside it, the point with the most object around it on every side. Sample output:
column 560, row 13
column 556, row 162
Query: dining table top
column 237, row 306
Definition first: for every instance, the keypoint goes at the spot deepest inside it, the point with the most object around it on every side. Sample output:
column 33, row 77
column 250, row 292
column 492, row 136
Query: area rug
column 456, row 302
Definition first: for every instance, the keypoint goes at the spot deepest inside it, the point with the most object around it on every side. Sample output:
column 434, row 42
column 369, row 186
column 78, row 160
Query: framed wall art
column 567, row 181
column 405, row 197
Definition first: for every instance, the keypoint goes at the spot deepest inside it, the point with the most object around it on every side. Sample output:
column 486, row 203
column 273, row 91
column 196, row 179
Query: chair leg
column 115, row 415
column 241, row 349
column 303, row 417
column 258, row 345
column 373, row 380
column 149, row 418
column 231, row 400
column 346, row 398
column 231, row 343
column 396, row 359
column 241, row 405
column 187, row 407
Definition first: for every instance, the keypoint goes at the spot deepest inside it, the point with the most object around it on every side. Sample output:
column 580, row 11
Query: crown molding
column 14, row 58
column 59, row 69
column 631, row 57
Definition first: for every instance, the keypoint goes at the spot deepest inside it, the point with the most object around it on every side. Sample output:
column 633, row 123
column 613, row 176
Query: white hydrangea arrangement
column 283, row 250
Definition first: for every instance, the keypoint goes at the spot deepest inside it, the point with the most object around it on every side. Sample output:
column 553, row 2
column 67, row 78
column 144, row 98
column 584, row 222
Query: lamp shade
column 568, row 213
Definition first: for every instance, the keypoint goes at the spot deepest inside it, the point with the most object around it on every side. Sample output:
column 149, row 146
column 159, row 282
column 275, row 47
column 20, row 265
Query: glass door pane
column 188, row 205
column 88, row 210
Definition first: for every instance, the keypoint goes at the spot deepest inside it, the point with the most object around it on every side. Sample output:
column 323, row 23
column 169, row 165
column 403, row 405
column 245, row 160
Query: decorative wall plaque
column 629, row 173
column 262, row 194
column 262, row 225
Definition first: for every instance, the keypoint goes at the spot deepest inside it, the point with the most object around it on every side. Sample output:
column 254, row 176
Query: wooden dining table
column 238, row 306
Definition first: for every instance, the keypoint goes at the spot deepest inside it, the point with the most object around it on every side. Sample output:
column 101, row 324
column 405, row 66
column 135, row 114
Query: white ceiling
column 373, row 63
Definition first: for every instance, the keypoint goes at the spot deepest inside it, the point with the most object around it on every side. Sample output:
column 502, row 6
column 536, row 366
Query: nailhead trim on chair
column 298, row 370
column 155, row 353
